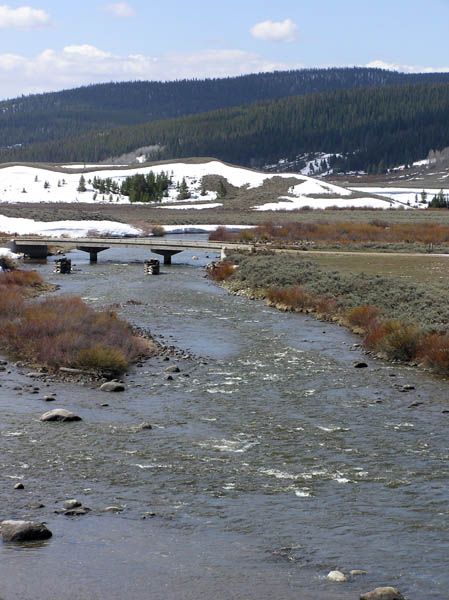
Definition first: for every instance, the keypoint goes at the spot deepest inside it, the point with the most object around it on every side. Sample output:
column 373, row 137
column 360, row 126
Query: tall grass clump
column 221, row 271
column 290, row 298
column 363, row 317
column 434, row 352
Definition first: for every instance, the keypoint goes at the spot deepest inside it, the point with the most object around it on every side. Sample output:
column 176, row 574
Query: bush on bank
column 63, row 331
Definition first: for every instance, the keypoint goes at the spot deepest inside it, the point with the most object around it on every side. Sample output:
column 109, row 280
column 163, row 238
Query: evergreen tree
column 81, row 185
column 184, row 193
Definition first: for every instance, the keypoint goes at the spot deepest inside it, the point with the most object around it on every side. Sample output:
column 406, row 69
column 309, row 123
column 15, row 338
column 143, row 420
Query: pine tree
column 81, row 185
column 184, row 193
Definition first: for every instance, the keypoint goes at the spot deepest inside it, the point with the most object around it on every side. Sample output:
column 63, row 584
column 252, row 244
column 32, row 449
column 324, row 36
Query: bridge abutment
column 37, row 251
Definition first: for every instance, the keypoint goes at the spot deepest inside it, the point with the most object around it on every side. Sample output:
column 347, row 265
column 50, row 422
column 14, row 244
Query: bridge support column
column 167, row 254
column 93, row 252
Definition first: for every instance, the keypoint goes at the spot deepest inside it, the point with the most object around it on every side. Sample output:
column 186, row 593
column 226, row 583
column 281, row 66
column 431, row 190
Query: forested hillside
column 374, row 129
column 52, row 116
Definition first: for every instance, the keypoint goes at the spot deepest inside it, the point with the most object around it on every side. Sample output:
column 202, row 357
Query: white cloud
column 380, row 64
column 23, row 17
column 121, row 10
column 275, row 31
column 77, row 65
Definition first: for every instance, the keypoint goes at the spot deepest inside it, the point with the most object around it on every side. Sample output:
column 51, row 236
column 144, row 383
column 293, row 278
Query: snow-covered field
column 288, row 203
column 408, row 196
column 66, row 229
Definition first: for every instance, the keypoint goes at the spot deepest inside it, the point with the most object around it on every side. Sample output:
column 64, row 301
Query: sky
column 48, row 45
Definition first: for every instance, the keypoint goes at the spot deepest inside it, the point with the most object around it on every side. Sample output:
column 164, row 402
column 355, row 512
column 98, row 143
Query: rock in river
column 112, row 386
column 337, row 576
column 383, row 593
column 72, row 503
column 24, row 531
column 60, row 414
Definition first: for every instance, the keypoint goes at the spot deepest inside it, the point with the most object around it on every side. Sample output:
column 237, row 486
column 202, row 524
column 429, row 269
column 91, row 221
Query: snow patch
column 68, row 229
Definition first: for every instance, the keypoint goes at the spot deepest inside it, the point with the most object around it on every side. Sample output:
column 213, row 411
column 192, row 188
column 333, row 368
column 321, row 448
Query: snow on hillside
column 64, row 228
column 33, row 184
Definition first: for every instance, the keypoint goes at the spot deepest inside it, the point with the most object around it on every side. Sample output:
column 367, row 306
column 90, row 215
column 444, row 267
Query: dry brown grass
column 221, row 271
column 363, row 317
column 62, row 331
column 341, row 232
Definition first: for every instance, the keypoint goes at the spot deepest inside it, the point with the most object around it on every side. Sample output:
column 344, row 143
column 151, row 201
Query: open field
column 425, row 269
column 138, row 214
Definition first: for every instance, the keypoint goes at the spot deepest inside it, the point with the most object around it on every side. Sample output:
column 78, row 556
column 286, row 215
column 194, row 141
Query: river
column 271, row 461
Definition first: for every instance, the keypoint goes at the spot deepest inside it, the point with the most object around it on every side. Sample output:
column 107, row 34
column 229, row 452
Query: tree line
column 372, row 129
column 59, row 115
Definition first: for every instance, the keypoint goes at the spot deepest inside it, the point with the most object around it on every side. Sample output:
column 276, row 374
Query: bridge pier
column 93, row 252
column 167, row 254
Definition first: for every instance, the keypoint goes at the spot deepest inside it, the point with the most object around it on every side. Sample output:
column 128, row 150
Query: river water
column 271, row 461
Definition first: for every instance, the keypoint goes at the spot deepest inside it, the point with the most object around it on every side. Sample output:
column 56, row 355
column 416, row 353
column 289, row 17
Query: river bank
column 399, row 319
column 271, row 459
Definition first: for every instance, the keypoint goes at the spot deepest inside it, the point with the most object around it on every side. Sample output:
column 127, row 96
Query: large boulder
column 383, row 593
column 59, row 414
column 112, row 386
column 24, row 531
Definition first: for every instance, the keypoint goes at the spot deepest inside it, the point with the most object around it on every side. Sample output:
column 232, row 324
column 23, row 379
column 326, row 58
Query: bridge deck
column 124, row 242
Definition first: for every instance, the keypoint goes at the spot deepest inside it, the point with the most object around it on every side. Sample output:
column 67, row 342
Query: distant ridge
column 363, row 129
column 60, row 115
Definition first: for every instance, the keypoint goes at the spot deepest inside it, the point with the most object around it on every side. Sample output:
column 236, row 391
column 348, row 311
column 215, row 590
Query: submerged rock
column 60, row 414
column 173, row 369
column 145, row 425
column 113, row 509
column 24, row 531
column 112, row 386
column 383, row 593
column 360, row 365
column 77, row 512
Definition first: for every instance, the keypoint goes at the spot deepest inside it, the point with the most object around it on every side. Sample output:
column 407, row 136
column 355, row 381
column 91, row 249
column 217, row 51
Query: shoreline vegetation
column 64, row 332
column 377, row 234
column 399, row 320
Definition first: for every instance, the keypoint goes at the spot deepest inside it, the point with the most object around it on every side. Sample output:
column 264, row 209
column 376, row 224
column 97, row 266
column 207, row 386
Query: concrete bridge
column 37, row 247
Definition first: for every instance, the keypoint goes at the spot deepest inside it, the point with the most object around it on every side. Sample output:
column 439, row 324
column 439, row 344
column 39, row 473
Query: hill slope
column 373, row 128
column 52, row 116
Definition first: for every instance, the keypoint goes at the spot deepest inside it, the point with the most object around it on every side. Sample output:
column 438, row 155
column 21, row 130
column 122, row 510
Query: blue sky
column 50, row 45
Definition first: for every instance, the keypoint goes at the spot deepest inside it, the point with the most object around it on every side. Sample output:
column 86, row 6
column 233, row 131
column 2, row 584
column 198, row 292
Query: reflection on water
column 272, row 463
